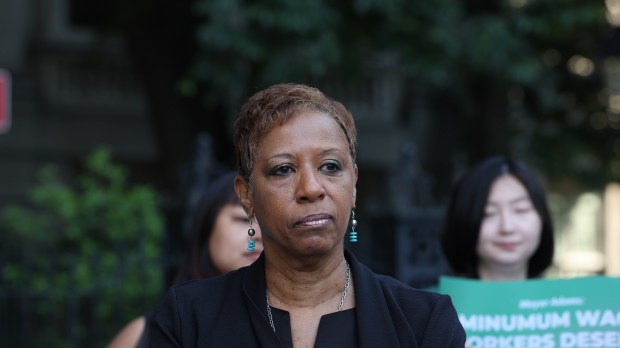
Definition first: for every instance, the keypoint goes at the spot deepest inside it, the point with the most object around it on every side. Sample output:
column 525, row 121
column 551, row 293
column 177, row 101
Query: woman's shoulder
column 405, row 291
column 130, row 334
column 201, row 297
column 412, row 301
column 430, row 315
column 214, row 286
column 396, row 290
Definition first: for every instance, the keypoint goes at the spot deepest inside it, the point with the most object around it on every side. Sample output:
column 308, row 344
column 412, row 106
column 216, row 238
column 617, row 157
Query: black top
column 230, row 311
column 335, row 329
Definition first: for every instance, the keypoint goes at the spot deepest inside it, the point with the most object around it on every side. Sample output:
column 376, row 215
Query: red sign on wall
column 5, row 101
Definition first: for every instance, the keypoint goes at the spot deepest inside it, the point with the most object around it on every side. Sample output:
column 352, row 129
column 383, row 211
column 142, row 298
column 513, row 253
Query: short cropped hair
column 272, row 107
column 466, row 209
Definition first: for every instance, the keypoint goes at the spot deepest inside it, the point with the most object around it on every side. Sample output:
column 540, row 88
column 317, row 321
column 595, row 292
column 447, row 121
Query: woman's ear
column 242, row 189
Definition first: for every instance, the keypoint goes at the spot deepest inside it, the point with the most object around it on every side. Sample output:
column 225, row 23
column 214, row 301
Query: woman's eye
column 489, row 213
column 282, row 170
column 331, row 166
column 523, row 210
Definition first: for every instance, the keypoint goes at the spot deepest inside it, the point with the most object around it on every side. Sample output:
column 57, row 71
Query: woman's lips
column 314, row 220
column 507, row 246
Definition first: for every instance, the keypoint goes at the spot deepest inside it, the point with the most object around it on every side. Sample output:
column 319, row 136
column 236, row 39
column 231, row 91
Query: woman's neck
column 301, row 285
column 307, row 290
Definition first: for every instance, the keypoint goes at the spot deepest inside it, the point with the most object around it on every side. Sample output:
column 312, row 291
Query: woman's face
column 511, row 227
column 302, row 186
column 229, row 240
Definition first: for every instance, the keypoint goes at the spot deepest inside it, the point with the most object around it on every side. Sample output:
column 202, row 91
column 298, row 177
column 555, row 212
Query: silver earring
column 353, row 232
column 251, row 233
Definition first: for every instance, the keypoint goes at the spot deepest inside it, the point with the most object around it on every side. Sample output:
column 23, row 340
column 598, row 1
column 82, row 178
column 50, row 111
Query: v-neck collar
column 375, row 326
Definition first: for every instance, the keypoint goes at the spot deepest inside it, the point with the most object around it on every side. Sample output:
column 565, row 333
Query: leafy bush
column 85, row 257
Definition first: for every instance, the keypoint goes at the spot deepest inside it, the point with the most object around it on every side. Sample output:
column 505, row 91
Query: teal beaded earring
column 353, row 233
column 251, row 233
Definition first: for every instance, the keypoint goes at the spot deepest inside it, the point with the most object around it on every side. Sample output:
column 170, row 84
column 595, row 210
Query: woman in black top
column 296, row 152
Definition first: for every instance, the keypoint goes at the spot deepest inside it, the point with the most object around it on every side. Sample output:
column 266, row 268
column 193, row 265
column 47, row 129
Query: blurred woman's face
column 229, row 240
column 303, row 185
column 511, row 227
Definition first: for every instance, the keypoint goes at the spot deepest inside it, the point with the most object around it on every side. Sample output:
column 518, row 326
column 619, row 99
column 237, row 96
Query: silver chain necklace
column 347, row 282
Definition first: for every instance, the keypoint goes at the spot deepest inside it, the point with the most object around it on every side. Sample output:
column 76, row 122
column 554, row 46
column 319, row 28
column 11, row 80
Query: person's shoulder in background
column 130, row 334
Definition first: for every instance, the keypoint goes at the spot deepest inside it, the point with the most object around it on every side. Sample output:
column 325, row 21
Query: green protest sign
column 562, row 313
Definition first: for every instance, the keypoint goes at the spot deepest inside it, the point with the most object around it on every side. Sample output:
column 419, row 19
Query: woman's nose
column 507, row 222
column 309, row 186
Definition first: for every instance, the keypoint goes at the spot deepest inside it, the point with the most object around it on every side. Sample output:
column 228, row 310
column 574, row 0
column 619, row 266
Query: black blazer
column 230, row 311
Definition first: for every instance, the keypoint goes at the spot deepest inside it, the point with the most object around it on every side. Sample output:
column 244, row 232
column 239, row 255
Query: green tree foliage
column 85, row 255
column 495, row 74
column 244, row 43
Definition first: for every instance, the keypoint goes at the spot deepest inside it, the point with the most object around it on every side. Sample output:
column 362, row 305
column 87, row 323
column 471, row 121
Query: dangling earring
column 251, row 233
column 353, row 233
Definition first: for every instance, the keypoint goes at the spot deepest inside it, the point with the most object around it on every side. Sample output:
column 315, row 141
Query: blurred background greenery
column 434, row 86
column 77, row 253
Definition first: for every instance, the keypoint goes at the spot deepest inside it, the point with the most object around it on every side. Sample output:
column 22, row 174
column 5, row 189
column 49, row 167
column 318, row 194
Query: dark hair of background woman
column 466, row 211
column 197, row 263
